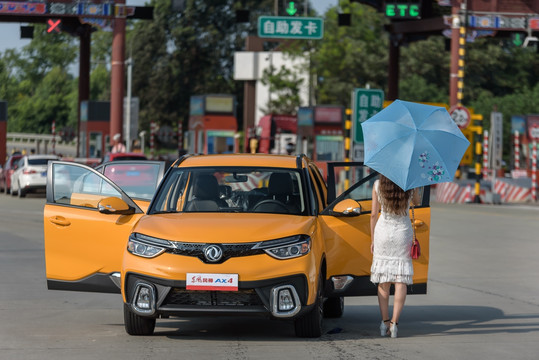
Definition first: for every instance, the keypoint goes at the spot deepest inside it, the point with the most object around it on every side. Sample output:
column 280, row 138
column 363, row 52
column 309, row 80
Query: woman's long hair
column 394, row 200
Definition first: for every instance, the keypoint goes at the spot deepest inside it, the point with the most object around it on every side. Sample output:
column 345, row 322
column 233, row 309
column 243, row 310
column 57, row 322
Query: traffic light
column 344, row 19
column 27, row 32
column 242, row 16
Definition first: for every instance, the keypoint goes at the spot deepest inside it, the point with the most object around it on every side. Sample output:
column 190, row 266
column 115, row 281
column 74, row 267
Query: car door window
column 138, row 179
column 361, row 178
column 78, row 185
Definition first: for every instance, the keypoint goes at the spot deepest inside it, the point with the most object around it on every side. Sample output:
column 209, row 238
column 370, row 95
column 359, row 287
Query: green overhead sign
column 402, row 10
column 365, row 104
column 290, row 27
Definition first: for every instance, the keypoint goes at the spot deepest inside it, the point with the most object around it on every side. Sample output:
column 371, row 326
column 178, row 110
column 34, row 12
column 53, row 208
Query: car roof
column 264, row 160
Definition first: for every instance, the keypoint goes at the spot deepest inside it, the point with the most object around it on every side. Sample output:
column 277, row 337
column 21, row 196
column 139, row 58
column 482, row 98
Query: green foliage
column 424, row 71
column 350, row 57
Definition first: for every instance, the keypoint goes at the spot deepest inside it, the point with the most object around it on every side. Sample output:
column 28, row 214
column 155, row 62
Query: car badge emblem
column 213, row 253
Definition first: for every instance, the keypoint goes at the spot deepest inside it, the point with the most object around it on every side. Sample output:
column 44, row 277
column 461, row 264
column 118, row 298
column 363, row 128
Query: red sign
column 533, row 23
column 461, row 116
column 54, row 25
column 328, row 114
column 533, row 126
column 16, row 7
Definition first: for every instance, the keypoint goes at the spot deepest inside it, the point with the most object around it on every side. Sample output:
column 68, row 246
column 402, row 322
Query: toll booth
column 277, row 134
column 320, row 133
column 3, row 131
column 212, row 125
column 94, row 128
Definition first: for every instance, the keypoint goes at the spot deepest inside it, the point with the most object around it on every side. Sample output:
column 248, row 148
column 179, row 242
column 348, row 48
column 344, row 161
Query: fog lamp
column 144, row 300
column 286, row 301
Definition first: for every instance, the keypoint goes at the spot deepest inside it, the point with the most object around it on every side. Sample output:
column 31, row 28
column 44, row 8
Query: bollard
column 534, row 170
column 485, row 154
column 517, row 150
column 54, row 137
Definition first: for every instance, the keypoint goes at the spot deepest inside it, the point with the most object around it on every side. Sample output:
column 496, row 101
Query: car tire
column 310, row 324
column 13, row 193
column 334, row 307
column 137, row 325
column 21, row 193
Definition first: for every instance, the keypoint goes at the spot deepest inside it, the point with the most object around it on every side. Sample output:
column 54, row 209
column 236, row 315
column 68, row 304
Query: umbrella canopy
column 413, row 144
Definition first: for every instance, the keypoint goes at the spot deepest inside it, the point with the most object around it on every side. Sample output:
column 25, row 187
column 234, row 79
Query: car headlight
column 287, row 248
column 146, row 246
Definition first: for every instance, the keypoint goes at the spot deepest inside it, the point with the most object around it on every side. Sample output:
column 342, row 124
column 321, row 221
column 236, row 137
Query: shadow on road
column 359, row 321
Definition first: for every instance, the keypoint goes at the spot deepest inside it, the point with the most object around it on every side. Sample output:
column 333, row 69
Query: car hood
column 223, row 228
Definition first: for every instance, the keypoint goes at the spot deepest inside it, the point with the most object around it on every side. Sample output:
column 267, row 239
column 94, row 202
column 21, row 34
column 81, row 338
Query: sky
column 10, row 32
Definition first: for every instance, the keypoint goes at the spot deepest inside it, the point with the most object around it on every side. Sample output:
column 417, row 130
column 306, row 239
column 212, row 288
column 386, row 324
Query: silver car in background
column 30, row 174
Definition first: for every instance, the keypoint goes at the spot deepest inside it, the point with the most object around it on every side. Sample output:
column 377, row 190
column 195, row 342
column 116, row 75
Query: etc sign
column 403, row 10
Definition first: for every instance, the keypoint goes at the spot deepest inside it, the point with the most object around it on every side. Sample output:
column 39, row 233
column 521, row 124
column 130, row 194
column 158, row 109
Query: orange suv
column 223, row 234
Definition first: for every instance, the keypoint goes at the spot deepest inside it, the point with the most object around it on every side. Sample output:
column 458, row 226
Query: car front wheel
column 137, row 325
column 310, row 324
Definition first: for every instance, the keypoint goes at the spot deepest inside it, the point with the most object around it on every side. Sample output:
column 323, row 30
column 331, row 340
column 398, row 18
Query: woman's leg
column 383, row 299
column 398, row 301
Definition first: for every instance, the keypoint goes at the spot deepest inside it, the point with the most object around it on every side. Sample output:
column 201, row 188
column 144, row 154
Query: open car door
column 346, row 226
column 87, row 222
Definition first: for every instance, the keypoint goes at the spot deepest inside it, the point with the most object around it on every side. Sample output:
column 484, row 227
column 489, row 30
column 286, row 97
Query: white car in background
column 30, row 174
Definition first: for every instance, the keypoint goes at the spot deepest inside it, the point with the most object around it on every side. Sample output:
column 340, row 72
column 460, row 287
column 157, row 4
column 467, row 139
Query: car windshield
column 243, row 190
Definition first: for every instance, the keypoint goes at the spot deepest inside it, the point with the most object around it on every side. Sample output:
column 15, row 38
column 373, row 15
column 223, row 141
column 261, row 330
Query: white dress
column 391, row 261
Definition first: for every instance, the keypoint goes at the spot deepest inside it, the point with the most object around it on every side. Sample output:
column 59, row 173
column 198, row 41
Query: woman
column 391, row 241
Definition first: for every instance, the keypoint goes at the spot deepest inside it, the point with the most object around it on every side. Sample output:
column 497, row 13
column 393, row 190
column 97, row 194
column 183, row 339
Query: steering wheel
column 271, row 202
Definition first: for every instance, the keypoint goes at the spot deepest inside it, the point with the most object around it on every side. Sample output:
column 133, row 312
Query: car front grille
column 179, row 296
column 229, row 250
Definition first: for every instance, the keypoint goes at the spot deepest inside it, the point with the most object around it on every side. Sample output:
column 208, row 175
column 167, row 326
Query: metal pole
column 128, row 110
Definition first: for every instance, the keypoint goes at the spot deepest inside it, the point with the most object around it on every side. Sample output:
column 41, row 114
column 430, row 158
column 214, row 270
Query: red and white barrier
column 485, row 154
column 451, row 193
column 511, row 193
column 517, row 150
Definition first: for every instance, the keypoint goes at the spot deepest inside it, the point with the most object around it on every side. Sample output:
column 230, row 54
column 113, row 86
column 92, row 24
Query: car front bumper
column 171, row 298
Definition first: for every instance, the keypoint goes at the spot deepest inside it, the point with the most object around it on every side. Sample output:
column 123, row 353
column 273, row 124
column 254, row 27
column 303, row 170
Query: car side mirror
column 347, row 207
column 114, row 205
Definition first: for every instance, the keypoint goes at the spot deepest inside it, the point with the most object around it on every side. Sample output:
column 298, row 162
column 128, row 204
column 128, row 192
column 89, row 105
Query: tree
column 350, row 57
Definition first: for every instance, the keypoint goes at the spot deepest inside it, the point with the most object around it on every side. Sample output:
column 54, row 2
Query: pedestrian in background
column 391, row 241
column 118, row 146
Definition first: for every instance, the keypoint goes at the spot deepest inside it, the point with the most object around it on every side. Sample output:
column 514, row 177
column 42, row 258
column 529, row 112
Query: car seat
column 280, row 197
column 206, row 194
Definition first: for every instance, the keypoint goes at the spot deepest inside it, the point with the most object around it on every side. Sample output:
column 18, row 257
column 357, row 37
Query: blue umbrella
column 413, row 144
